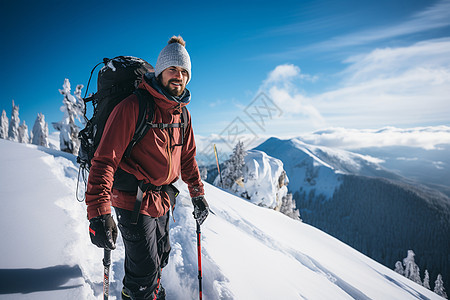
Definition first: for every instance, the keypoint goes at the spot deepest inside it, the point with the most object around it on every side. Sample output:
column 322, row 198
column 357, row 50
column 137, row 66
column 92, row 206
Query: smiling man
column 165, row 152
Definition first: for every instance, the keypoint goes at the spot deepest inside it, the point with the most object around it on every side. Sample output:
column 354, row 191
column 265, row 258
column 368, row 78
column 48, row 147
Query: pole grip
column 106, row 257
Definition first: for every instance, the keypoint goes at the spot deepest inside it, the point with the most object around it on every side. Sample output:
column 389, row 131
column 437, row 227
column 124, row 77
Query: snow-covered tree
column 23, row 133
column 72, row 109
column 439, row 287
column 232, row 171
column 4, row 124
column 40, row 131
column 13, row 131
column 203, row 173
column 426, row 280
column 79, row 107
column 399, row 268
column 289, row 208
column 412, row 270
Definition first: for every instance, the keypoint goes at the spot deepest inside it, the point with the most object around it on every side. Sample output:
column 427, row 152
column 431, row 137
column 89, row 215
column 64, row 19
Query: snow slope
column 249, row 252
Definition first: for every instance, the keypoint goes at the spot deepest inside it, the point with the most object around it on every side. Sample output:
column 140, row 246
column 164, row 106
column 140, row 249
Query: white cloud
column 283, row 73
column 281, row 87
column 405, row 86
column 408, row 158
column 287, row 73
column 392, row 86
column 294, row 104
column 386, row 62
column 438, row 165
column 423, row 137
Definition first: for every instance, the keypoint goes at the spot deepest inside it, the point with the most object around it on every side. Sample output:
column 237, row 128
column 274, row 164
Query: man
column 157, row 161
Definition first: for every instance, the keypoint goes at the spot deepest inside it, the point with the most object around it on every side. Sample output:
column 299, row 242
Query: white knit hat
column 174, row 54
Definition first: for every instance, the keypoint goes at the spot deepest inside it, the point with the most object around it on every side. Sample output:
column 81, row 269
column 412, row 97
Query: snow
column 261, row 174
column 248, row 252
column 53, row 140
column 111, row 65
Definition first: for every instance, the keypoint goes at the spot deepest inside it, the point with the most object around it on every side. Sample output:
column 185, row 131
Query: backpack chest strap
column 164, row 126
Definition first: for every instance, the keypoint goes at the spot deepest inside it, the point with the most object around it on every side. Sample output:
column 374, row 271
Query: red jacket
column 154, row 159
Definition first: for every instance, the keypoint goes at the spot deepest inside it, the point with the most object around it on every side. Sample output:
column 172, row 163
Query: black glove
column 201, row 209
column 103, row 232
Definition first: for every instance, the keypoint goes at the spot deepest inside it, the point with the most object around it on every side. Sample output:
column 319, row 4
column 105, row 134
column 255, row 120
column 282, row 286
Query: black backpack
column 118, row 79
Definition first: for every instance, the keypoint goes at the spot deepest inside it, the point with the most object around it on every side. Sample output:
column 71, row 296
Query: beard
column 174, row 90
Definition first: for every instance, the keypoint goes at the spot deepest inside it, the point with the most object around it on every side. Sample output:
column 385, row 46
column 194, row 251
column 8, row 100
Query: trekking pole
column 199, row 252
column 106, row 264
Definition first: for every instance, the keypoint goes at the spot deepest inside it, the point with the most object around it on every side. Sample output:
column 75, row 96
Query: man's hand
column 201, row 209
column 103, row 232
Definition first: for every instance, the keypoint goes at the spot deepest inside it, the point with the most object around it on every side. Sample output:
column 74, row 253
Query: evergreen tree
column 288, row 207
column 13, row 131
column 23, row 133
column 68, row 137
column 233, row 166
column 226, row 183
column 40, row 131
column 412, row 270
column 204, row 173
column 426, row 280
column 439, row 287
column 399, row 268
column 4, row 124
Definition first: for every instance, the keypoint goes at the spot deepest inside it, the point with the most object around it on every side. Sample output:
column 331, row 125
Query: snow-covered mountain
column 355, row 198
column 249, row 252
column 319, row 168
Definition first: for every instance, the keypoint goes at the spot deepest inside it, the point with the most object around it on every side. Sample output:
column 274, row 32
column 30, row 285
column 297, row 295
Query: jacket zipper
column 169, row 153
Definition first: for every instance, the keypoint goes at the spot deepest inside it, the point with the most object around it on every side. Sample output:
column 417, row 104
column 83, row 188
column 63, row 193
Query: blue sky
column 319, row 64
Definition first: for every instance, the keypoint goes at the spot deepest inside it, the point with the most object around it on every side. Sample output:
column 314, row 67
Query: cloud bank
column 404, row 86
column 420, row 137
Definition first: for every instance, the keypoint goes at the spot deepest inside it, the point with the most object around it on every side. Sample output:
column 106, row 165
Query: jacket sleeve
column 118, row 132
column 189, row 168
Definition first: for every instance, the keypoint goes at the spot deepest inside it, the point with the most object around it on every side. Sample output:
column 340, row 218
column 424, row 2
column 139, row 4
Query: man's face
column 174, row 80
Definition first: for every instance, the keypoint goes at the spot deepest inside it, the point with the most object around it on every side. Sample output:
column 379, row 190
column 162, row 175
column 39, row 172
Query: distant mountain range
column 429, row 167
column 379, row 200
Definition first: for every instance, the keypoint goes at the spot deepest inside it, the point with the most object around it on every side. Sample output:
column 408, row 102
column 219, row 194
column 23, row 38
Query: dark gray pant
column 147, row 248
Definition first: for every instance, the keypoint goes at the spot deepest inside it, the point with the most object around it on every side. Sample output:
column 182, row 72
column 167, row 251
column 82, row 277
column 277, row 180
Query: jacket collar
column 152, row 85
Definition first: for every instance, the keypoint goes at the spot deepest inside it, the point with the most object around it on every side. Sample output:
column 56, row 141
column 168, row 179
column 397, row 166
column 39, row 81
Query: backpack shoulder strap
column 146, row 112
column 184, row 118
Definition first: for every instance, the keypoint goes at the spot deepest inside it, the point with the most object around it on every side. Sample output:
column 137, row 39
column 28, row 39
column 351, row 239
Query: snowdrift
column 249, row 252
